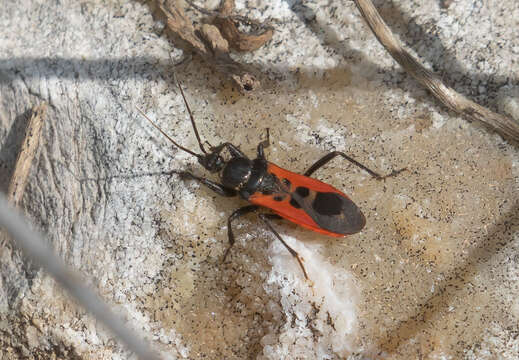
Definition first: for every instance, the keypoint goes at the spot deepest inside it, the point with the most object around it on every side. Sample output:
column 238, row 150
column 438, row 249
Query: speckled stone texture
column 433, row 275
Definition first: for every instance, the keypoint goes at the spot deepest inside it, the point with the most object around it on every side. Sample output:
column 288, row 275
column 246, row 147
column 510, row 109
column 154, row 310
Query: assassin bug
column 301, row 199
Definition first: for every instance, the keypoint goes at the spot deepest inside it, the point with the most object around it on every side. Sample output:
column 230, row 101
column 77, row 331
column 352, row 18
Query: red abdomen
column 312, row 204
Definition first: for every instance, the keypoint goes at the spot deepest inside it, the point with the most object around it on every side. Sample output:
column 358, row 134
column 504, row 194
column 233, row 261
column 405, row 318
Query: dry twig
column 237, row 39
column 27, row 153
column 212, row 42
column 505, row 126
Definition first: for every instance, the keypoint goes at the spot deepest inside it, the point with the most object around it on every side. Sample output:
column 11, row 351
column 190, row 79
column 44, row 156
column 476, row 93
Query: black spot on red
column 278, row 198
column 327, row 203
column 295, row 203
column 302, row 191
column 286, row 182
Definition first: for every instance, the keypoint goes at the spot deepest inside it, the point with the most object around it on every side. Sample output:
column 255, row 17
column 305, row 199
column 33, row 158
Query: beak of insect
column 211, row 162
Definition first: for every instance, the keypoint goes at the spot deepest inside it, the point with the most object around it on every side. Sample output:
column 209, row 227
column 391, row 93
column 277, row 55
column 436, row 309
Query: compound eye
column 219, row 163
column 215, row 163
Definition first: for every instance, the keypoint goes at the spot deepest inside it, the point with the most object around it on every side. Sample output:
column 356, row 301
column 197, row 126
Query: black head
column 213, row 162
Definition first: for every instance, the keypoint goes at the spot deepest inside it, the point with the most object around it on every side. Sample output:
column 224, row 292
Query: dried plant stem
column 28, row 151
column 213, row 42
column 505, row 126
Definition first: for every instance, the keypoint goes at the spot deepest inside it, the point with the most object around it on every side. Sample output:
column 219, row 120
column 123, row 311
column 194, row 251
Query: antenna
column 190, row 115
column 168, row 137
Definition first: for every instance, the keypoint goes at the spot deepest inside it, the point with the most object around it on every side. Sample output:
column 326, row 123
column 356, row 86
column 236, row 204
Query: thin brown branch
column 503, row 125
column 178, row 23
column 26, row 155
column 255, row 38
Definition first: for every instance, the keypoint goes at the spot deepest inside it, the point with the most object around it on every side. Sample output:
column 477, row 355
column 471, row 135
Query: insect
column 301, row 199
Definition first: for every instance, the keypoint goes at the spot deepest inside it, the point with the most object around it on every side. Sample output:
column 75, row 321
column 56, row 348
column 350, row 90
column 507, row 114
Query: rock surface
column 433, row 274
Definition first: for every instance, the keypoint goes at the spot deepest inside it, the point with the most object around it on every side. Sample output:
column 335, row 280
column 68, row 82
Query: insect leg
column 264, row 144
column 294, row 253
column 236, row 214
column 217, row 188
column 235, row 152
column 208, row 144
column 273, row 216
column 327, row 158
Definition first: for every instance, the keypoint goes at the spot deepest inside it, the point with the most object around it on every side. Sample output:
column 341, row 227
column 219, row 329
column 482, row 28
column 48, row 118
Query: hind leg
column 328, row 157
column 264, row 144
column 265, row 218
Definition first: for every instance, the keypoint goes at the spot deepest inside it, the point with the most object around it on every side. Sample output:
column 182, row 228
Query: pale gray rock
column 433, row 273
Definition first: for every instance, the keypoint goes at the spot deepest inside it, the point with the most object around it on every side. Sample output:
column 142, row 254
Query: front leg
column 216, row 187
column 264, row 144
column 233, row 150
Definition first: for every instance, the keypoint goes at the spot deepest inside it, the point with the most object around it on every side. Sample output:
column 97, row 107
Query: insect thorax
column 236, row 173
column 247, row 176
